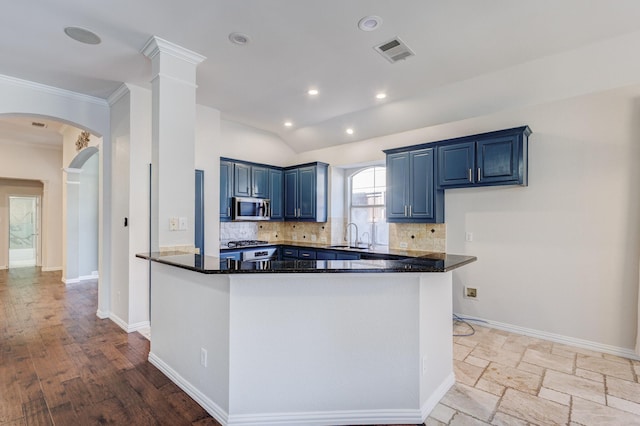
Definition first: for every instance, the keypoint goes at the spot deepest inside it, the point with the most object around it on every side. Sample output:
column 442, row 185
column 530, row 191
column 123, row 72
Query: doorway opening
column 24, row 231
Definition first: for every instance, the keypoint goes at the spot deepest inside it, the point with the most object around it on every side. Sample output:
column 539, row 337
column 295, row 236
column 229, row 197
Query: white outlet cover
column 173, row 224
column 183, row 223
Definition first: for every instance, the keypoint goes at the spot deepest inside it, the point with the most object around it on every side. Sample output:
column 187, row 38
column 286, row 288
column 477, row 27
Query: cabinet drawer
column 306, row 254
column 290, row 253
column 326, row 255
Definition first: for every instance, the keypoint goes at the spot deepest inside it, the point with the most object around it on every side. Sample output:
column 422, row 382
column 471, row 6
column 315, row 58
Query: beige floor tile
column 555, row 396
column 461, row 419
column 623, row 404
column 616, row 358
column 433, row 422
column 491, row 387
column 548, row 360
column 577, row 350
column 513, row 378
column 478, row 362
column 530, row 368
column 624, row 389
column 501, row 356
column 474, row 402
column 502, row 419
column 605, row 366
column 576, row 386
column 596, row 377
column 466, row 373
column 460, row 352
column 589, row 413
column 556, row 350
column 533, row 409
column 442, row 413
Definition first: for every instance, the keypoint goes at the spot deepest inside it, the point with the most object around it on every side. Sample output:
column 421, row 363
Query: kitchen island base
column 316, row 349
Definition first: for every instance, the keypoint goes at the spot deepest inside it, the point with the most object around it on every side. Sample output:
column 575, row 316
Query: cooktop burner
column 246, row 243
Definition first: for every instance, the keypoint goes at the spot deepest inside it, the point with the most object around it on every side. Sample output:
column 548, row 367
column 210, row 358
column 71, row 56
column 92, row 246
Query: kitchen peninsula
column 306, row 341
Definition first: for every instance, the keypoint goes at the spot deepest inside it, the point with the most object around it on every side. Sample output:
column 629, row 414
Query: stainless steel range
column 246, row 243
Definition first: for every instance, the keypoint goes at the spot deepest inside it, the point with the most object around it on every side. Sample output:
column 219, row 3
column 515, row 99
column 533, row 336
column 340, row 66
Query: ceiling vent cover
column 394, row 50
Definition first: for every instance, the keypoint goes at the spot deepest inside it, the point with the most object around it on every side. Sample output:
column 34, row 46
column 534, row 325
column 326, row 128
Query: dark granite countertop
column 431, row 262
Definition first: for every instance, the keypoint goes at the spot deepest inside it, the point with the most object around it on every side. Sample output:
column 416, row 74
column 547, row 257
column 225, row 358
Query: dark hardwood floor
column 62, row 365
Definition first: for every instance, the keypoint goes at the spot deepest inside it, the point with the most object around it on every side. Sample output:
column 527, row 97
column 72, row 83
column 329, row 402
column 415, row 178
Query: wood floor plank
column 60, row 364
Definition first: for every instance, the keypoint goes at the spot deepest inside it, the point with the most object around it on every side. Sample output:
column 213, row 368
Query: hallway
column 61, row 365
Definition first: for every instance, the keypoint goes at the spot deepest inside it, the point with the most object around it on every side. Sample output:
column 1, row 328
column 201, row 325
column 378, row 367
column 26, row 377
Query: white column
column 173, row 141
column 70, row 273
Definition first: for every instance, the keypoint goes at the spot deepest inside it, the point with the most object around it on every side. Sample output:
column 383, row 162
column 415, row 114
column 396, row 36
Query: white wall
column 243, row 142
column 22, row 161
column 88, row 219
column 560, row 256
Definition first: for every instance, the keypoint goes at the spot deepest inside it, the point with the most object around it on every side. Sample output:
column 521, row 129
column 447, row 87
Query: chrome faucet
column 346, row 229
column 369, row 245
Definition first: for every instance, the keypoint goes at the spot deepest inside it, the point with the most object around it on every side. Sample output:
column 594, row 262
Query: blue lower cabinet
column 347, row 256
column 306, row 254
column 326, row 255
column 288, row 253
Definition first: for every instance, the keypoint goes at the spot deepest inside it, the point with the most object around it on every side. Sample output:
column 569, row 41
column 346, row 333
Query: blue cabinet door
column 291, row 194
column 259, row 182
column 306, row 254
column 498, row 160
column 275, row 191
column 421, row 184
column 307, row 192
column 456, row 164
column 397, row 185
column 199, row 216
column 241, row 180
column 226, row 190
column 233, row 255
column 326, row 255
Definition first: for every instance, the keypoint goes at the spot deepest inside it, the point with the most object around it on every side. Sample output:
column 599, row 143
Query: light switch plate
column 183, row 223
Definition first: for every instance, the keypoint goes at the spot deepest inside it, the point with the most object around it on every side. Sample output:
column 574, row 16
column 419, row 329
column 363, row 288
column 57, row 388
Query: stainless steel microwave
column 246, row 208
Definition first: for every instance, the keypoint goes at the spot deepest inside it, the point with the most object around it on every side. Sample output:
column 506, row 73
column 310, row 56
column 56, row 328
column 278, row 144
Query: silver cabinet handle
column 305, row 254
column 410, row 213
column 470, row 177
column 228, row 211
column 405, row 210
column 478, row 174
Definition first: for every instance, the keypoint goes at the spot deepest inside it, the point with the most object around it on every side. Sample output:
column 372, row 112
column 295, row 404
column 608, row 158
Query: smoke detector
column 394, row 50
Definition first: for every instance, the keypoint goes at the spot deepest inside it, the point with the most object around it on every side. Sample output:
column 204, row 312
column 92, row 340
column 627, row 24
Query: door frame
column 38, row 224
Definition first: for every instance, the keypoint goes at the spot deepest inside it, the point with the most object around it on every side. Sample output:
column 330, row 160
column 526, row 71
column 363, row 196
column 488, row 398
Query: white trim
column 437, row 395
column 558, row 338
column 119, row 321
column 342, row 417
column 69, row 281
column 156, row 45
column 4, row 267
column 211, row 407
column 102, row 315
column 117, row 94
column 71, row 170
column 54, row 90
column 88, row 277
column 138, row 326
column 51, row 268
column 175, row 79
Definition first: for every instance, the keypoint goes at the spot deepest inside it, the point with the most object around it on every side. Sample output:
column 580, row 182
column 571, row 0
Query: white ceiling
column 466, row 54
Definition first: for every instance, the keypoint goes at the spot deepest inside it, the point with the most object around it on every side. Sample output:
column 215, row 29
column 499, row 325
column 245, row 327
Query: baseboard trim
column 211, row 407
column 69, row 281
column 51, row 268
column 80, row 279
column 137, row 326
column 102, row 314
column 435, row 398
column 342, row 417
column 558, row 338
column 4, row 267
column 129, row 328
column 88, row 277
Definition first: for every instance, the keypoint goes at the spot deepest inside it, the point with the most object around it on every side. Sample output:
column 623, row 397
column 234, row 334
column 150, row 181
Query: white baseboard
column 129, row 328
column 80, row 279
column 211, row 407
column 4, row 267
column 88, row 277
column 558, row 338
column 69, row 281
column 102, row 314
column 433, row 400
column 341, row 417
column 51, row 268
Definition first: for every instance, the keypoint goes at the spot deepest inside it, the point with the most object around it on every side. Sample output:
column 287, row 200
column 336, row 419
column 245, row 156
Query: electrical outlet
column 203, row 357
column 468, row 236
column 173, row 224
column 403, row 245
column 470, row 292
column 425, row 364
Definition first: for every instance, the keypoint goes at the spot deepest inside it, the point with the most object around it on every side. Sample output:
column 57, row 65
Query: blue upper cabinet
column 276, row 187
column 305, row 192
column 226, row 190
column 250, row 181
column 495, row 158
column 411, row 192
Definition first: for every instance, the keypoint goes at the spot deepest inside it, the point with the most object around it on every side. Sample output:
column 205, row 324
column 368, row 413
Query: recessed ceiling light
column 313, row 92
column 381, row 95
column 349, row 131
column 239, row 38
column 82, row 35
column 288, row 124
column 370, row 23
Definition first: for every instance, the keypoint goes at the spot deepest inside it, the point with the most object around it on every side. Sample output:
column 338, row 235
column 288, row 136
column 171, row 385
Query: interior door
column 24, row 231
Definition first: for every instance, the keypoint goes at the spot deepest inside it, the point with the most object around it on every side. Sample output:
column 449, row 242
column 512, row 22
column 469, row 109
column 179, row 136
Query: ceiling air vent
column 394, row 50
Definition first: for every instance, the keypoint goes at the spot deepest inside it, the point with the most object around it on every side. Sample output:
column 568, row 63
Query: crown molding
column 117, row 94
column 53, row 90
column 156, row 45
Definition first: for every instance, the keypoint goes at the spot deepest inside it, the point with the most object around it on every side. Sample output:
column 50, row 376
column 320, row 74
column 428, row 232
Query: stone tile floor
column 510, row 379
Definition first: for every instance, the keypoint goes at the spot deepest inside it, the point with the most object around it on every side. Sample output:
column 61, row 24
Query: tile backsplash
column 416, row 236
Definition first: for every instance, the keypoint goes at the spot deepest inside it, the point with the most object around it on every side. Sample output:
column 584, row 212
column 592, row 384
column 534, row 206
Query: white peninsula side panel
column 312, row 348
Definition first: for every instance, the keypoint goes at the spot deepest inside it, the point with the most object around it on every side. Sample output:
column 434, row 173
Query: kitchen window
column 367, row 197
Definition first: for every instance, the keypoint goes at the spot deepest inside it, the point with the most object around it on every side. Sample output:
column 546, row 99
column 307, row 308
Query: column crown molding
column 71, row 170
column 156, row 45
